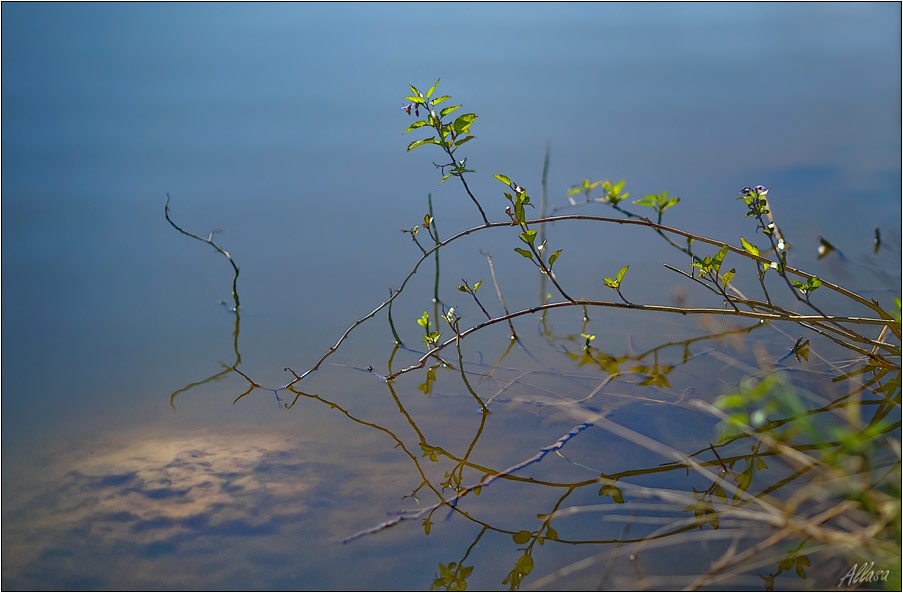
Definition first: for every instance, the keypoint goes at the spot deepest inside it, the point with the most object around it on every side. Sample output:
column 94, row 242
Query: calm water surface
column 124, row 467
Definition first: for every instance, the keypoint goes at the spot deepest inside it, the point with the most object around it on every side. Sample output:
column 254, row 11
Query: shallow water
column 125, row 467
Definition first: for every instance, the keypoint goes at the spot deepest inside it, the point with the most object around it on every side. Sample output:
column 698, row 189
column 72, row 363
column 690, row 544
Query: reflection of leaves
column 655, row 375
column 590, row 355
column 522, row 568
column 427, row 385
column 703, row 510
column 719, row 492
column 430, row 452
column 521, row 537
column 550, row 534
column 613, row 491
column 802, row 561
column 452, row 577
column 792, row 561
column 453, row 478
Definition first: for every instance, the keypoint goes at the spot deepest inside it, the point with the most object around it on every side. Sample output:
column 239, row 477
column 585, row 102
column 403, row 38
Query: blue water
column 280, row 124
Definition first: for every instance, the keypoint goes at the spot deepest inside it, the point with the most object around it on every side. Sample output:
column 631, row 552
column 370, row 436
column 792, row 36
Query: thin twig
column 660, row 308
column 886, row 318
column 498, row 291
column 208, row 241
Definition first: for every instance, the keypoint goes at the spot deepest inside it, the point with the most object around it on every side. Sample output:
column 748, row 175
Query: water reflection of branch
column 750, row 514
column 209, row 241
column 477, row 486
column 658, row 308
column 226, row 370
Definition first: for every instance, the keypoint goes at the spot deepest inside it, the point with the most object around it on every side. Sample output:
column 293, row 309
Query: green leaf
column 620, row 275
column 462, row 124
column 432, row 88
column 477, row 285
column 438, row 100
column 463, row 140
column 726, row 277
column 554, row 257
column 503, row 178
column 525, row 564
column 417, row 143
column 647, row 201
column 749, row 247
column 611, row 283
column 727, row 402
column 417, row 93
column 719, row 258
column 448, row 110
column 524, row 252
column 462, row 288
column 521, row 537
column 415, row 125
column 528, row 236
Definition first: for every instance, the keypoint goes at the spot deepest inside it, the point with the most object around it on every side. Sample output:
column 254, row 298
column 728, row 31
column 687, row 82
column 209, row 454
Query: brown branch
column 208, row 241
column 660, row 308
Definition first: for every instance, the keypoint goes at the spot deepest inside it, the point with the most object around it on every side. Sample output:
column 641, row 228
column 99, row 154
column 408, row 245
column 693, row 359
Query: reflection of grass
column 799, row 485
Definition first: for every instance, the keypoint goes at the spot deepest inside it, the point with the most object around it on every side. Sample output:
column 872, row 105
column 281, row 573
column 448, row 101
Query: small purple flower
column 759, row 190
column 410, row 106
